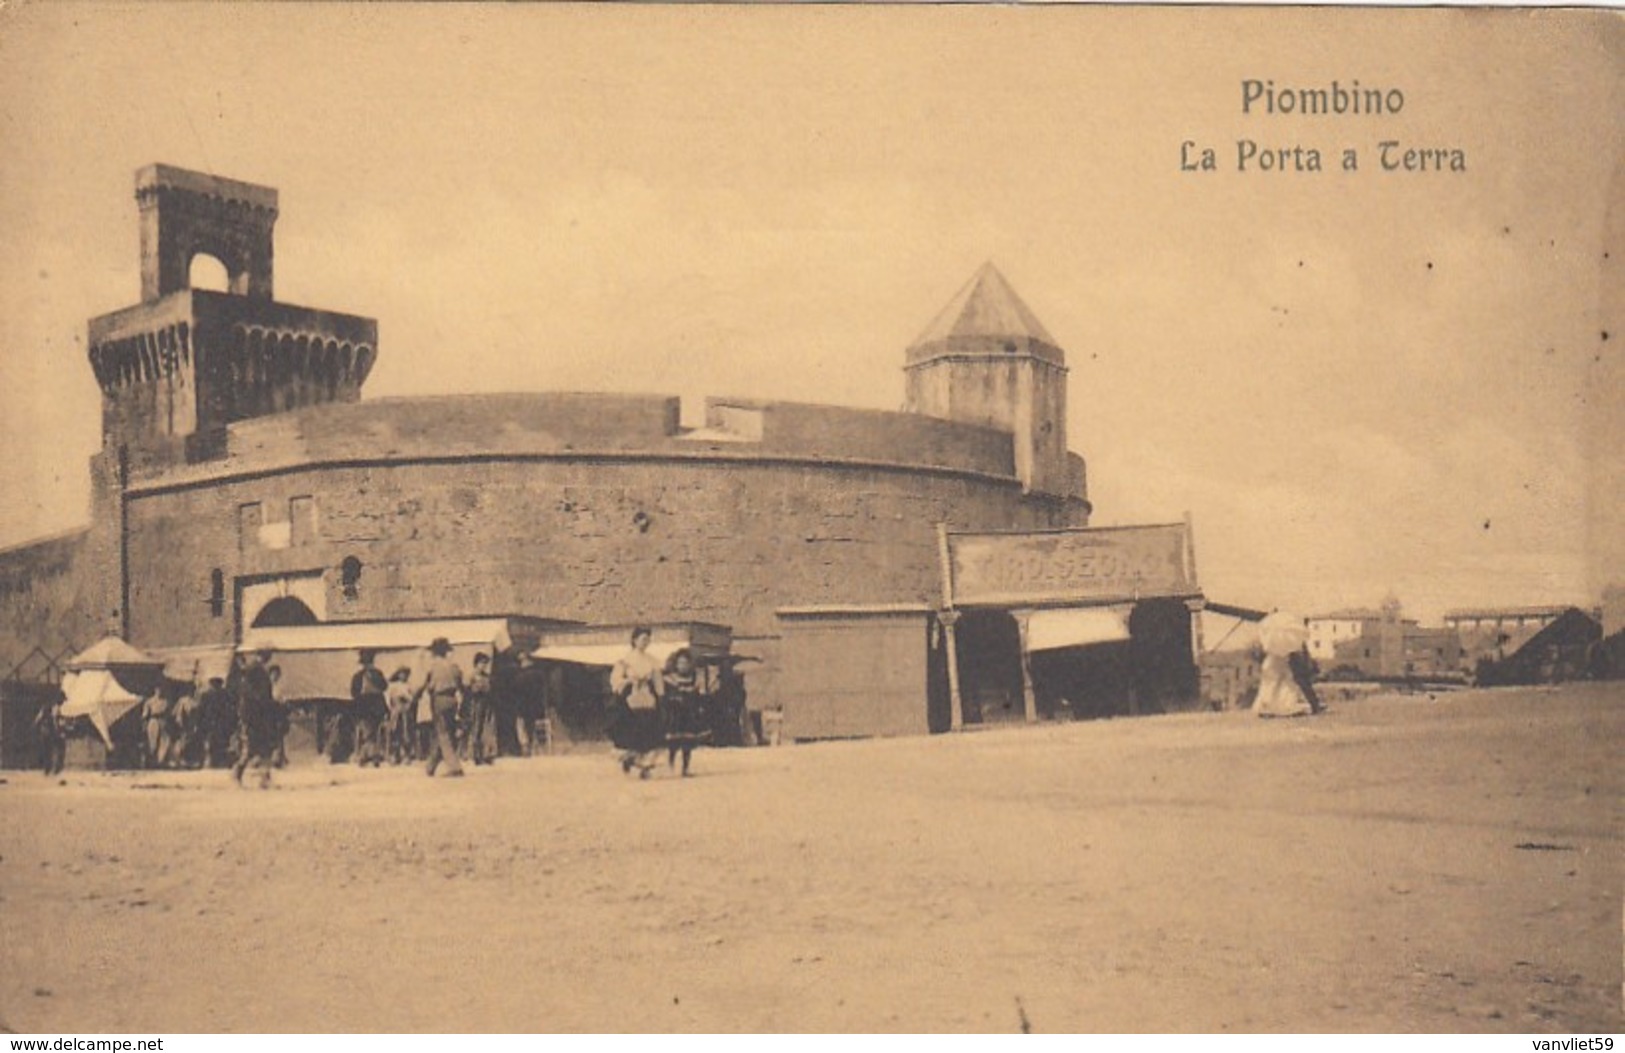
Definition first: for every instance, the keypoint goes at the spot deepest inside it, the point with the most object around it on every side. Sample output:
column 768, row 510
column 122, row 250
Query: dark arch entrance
column 989, row 645
column 1165, row 676
column 284, row 611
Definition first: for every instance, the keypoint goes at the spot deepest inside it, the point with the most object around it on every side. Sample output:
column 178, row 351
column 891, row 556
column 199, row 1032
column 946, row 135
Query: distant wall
column 465, row 424
column 47, row 599
column 839, row 433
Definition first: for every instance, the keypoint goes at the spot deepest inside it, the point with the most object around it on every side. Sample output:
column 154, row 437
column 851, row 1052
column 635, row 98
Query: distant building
column 1613, row 610
column 1326, row 631
column 1229, row 679
column 1387, row 644
column 1564, row 649
column 1493, row 633
column 1430, row 652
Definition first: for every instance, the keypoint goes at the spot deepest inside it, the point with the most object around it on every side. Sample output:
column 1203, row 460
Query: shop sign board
column 1071, row 567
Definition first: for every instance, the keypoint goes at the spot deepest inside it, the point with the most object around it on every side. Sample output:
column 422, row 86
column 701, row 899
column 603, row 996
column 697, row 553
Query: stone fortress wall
column 239, row 462
column 588, row 507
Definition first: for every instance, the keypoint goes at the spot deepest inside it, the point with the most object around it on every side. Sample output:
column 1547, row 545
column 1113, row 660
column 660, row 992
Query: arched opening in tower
column 207, row 272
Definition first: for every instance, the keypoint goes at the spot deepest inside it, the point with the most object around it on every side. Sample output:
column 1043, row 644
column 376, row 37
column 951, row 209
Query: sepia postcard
column 810, row 518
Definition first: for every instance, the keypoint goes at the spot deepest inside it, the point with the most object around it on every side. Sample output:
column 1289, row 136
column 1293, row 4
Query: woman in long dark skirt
column 683, row 709
column 635, row 725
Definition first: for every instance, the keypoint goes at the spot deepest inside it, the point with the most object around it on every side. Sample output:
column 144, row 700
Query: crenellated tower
column 986, row 359
column 184, row 363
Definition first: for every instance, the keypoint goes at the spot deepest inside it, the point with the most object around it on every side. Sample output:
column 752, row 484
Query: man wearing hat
column 258, row 717
column 444, row 685
column 219, row 723
column 367, row 690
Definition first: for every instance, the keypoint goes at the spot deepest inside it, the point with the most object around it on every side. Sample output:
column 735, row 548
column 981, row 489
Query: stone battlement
column 586, row 425
column 175, row 371
column 158, row 178
column 128, row 346
column 183, row 364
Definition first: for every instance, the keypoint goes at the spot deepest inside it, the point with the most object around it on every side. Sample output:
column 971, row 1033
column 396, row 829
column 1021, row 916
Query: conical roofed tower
column 986, row 359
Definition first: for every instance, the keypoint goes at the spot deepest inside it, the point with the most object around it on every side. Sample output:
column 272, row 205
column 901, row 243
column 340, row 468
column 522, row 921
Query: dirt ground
column 1400, row 864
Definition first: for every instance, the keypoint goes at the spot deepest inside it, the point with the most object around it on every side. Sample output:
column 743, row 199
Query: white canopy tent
column 112, row 653
column 106, row 681
column 96, row 694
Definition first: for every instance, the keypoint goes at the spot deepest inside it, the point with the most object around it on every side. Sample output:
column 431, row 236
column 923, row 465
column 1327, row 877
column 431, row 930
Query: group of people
column 434, row 715
column 445, row 718
column 657, row 706
column 183, row 727
column 493, row 709
column 233, row 722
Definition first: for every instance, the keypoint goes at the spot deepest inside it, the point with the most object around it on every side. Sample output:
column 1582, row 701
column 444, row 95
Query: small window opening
column 350, row 577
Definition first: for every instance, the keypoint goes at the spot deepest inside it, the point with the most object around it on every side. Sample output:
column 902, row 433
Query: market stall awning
column 604, row 645
column 196, row 665
column 324, row 676
column 315, row 663
column 380, row 636
column 1230, row 610
column 601, row 654
column 1052, row 630
column 312, row 676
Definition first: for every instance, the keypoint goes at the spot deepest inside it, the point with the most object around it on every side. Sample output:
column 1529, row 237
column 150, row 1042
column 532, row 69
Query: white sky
column 774, row 201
